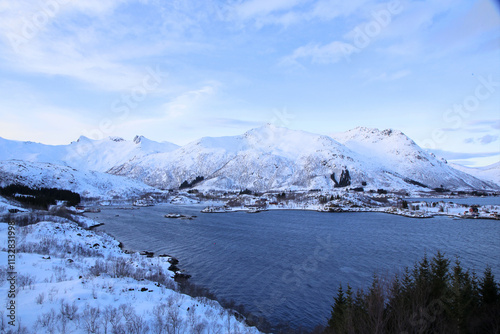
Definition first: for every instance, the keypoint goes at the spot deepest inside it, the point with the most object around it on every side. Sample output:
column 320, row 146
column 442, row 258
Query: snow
column 490, row 173
column 63, row 268
column 261, row 159
column 274, row 158
column 86, row 183
column 5, row 206
column 85, row 153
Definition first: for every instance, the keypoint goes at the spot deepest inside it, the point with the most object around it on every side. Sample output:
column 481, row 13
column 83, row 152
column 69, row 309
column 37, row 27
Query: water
column 287, row 265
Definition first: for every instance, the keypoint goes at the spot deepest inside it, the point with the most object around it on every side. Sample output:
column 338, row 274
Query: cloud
column 488, row 139
column 385, row 77
column 97, row 43
column 291, row 12
column 449, row 155
column 185, row 103
column 232, row 122
column 488, row 123
column 326, row 54
column 484, row 140
column 375, row 20
column 253, row 8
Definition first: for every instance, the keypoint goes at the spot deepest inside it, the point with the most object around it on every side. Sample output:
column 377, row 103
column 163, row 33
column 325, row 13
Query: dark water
column 288, row 265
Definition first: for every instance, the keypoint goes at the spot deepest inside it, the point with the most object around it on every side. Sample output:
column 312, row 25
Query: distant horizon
column 182, row 70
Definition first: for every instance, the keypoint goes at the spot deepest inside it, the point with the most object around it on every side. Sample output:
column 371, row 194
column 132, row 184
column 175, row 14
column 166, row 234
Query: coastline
column 98, row 273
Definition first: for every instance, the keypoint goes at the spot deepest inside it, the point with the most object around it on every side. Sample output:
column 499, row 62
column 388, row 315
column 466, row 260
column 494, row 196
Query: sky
column 183, row 69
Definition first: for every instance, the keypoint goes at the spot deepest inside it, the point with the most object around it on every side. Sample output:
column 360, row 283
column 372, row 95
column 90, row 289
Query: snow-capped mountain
column 394, row 151
column 86, row 183
column 264, row 158
column 490, row 173
column 276, row 158
column 85, row 153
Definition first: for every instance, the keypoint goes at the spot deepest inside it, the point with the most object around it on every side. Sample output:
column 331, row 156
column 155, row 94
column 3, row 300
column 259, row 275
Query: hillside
column 261, row 159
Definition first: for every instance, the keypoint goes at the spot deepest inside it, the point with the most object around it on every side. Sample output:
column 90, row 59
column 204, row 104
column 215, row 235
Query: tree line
column 39, row 197
column 432, row 297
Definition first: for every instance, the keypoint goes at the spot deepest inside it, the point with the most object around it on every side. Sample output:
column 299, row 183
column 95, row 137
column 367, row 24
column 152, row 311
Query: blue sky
column 179, row 70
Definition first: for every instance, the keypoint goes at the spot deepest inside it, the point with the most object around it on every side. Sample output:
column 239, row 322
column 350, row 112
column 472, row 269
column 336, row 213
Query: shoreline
column 382, row 210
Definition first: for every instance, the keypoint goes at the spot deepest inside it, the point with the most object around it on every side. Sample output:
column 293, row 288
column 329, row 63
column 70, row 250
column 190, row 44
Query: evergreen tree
column 336, row 324
column 488, row 288
column 439, row 275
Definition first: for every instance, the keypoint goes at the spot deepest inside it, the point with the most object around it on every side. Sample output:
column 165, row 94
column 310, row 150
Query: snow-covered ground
column 72, row 280
column 6, row 205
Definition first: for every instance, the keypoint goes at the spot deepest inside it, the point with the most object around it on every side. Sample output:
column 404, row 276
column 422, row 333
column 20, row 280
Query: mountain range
column 261, row 159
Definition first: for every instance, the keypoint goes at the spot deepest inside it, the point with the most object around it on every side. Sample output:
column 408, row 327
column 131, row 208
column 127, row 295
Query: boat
column 216, row 209
column 179, row 216
column 253, row 210
column 143, row 203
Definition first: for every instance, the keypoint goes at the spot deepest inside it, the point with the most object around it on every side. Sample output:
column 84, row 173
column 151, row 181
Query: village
column 334, row 202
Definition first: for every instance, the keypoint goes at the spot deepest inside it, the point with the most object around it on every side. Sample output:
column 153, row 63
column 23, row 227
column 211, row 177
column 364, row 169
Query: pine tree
column 488, row 288
column 336, row 324
column 439, row 275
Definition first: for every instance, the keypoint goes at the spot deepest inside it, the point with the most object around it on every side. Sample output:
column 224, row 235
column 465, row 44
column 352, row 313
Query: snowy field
column 72, row 280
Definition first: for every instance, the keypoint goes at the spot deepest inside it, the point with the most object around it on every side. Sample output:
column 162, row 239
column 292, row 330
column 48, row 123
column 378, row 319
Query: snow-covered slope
column 394, row 151
column 273, row 158
column 85, row 153
column 71, row 280
column 489, row 173
column 265, row 158
column 86, row 183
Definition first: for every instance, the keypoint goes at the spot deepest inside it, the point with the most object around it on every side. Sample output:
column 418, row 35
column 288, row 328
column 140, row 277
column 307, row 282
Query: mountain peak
column 138, row 139
column 83, row 139
column 375, row 131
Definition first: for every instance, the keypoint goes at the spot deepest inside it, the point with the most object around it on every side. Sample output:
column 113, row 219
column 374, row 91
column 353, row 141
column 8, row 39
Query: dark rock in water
column 173, row 261
column 173, row 268
column 148, row 254
column 181, row 276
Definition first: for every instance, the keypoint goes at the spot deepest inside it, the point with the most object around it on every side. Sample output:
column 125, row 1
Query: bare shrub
column 47, row 321
column 25, row 281
column 69, row 311
column 175, row 323
column 90, row 319
column 136, row 324
column 115, row 319
column 40, row 298
column 159, row 319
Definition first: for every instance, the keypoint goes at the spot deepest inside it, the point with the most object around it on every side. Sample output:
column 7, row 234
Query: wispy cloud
column 484, row 140
column 185, row 103
column 319, row 54
column 255, row 8
column 385, row 77
column 449, row 155
column 232, row 122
